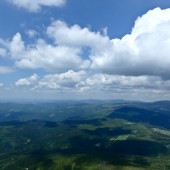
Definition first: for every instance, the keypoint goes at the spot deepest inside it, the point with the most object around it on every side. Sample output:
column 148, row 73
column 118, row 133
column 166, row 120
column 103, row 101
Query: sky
column 85, row 49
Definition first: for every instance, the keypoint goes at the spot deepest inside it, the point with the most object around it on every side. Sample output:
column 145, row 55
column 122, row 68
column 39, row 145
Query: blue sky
column 82, row 49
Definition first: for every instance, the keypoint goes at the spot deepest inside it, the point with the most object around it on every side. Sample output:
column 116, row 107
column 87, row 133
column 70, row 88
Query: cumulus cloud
column 5, row 70
column 68, row 79
column 46, row 56
column 143, row 52
column 16, row 47
column 64, row 54
column 124, row 82
column 28, row 81
column 36, row 5
column 82, row 81
column 76, row 36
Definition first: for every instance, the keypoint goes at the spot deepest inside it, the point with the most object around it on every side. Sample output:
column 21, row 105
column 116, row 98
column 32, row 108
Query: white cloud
column 115, row 81
column 61, row 81
column 27, row 81
column 1, row 85
column 82, row 81
column 46, row 56
column 5, row 70
column 143, row 52
column 16, row 47
column 66, row 80
column 81, row 84
column 67, row 52
column 76, row 36
column 36, row 5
